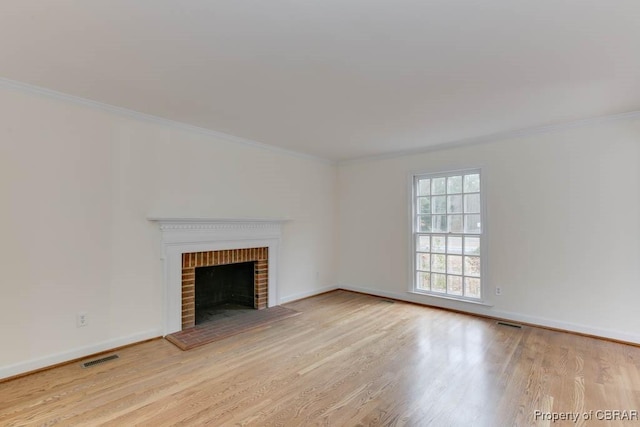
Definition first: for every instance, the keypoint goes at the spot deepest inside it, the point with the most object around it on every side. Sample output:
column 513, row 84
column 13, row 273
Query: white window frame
column 414, row 233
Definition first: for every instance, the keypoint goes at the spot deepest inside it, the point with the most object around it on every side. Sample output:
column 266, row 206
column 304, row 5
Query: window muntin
column 447, row 234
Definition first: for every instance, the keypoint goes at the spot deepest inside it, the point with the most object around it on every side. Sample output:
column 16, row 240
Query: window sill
column 450, row 298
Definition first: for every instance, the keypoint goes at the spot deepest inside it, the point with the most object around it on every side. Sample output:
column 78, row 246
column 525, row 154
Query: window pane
column 472, row 183
column 424, row 223
column 438, row 185
column 438, row 263
column 439, row 223
column 472, row 266
column 423, row 243
column 454, row 204
column 472, row 203
column 472, row 245
column 423, row 281
column 454, row 245
column 439, row 204
column 472, row 287
column 454, row 184
column 472, row 224
column 439, row 283
column 455, row 223
column 454, row 264
column 424, row 187
column 439, row 244
column 454, row 285
column 422, row 262
column 424, row 205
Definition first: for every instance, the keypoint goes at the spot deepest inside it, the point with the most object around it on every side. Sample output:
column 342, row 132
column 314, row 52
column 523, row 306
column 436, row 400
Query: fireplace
column 190, row 243
column 212, row 279
column 224, row 288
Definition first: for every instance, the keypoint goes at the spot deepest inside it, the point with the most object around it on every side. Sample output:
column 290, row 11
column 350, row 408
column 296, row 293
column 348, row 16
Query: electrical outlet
column 82, row 319
column 498, row 290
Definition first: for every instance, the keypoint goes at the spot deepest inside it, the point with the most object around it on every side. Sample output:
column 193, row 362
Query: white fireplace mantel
column 186, row 235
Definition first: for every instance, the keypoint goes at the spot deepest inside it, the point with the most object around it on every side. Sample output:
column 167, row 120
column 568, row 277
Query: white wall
column 78, row 182
column 563, row 225
column 76, row 186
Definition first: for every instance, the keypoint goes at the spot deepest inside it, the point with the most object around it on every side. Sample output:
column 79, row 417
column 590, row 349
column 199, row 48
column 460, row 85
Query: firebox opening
column 223, row 291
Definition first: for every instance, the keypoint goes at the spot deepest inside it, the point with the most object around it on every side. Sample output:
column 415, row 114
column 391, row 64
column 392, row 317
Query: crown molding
column 224, row 137
column 124, row 112
column 518, row 133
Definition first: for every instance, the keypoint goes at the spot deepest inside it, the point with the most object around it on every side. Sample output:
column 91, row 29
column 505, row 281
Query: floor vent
column 101, row 360
column 388, row 300
column 511, row 325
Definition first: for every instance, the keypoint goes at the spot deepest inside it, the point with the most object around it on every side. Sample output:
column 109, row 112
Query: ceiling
column 338, row 79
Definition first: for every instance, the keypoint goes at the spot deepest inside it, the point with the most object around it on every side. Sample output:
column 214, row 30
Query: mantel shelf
column 214, row 220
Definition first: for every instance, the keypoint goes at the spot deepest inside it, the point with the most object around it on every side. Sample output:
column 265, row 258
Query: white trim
column 483, row 310
column 77, row 353
column 225, row 137
column 214, row 224
column 452, row 298
column 484, row 139
column 308, row 294
column 410, row 234
column 186, row 235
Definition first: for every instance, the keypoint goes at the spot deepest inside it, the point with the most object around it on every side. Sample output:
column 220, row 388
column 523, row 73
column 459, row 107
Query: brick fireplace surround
column 193, row 260
column 188, row 243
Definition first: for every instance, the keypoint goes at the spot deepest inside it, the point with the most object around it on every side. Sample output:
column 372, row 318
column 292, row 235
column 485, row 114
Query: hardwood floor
column 348, row 359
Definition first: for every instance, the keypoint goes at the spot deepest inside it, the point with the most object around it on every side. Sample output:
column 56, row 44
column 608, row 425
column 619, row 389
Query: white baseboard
column 499, row 314
column 294, row 297
column 54, row 359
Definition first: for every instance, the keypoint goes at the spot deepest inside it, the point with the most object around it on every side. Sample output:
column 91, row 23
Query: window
column 447, row 234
